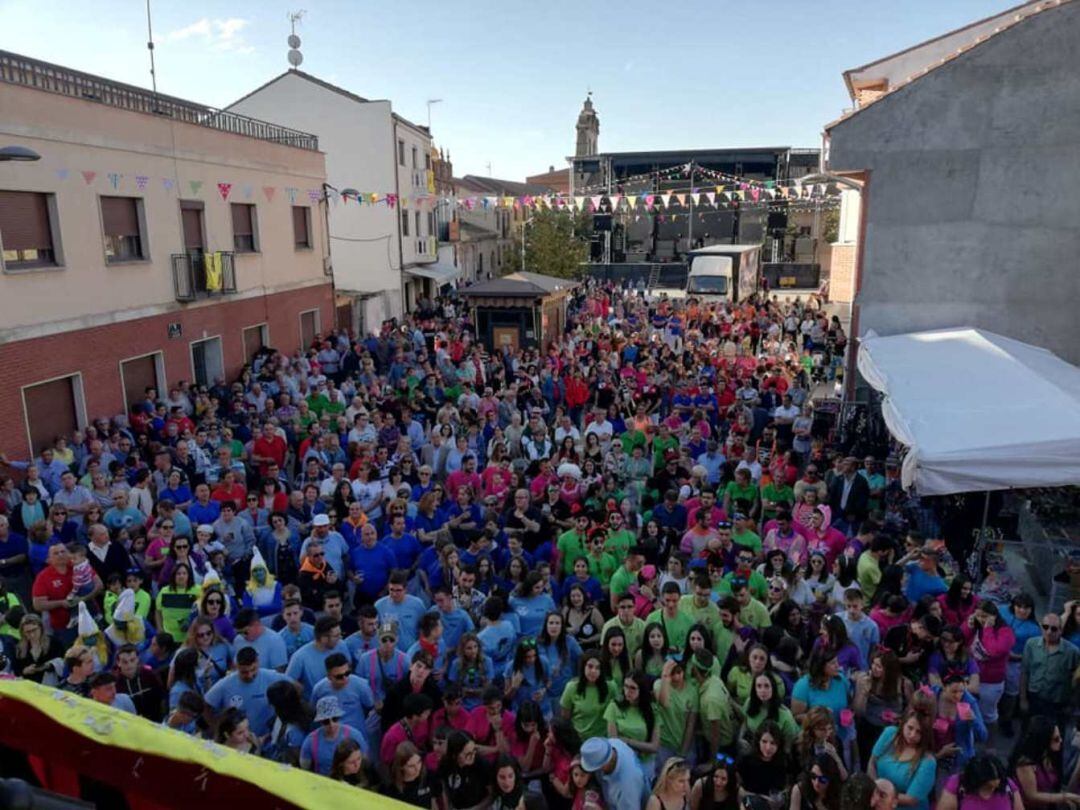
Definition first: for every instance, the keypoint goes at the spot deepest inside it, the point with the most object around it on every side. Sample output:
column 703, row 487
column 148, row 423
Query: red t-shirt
column 51, row 584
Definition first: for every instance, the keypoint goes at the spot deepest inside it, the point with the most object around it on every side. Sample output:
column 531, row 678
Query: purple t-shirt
column 973, row 801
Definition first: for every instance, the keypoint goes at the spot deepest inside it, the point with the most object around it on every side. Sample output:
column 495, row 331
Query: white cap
column 320, row 520
column 87, row 625
column 205, row 528
column 257, row 560
column 125, row 606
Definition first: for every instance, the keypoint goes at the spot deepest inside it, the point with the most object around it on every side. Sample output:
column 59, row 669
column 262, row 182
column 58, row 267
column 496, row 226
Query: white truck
column 724, row 272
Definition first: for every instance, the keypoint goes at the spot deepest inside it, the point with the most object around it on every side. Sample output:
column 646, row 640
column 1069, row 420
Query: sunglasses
column 724, row 759
column 214, row 602
column 181, row 547
column 318, row 556
column 204, row 634
column 1051, row 627
column 821, row 779
column 341, row 675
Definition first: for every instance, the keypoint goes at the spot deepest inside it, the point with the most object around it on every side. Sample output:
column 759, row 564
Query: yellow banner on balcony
column 212, row 266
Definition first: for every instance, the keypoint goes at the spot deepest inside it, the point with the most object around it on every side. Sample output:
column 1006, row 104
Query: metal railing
column 193, row 280
column 16, row 69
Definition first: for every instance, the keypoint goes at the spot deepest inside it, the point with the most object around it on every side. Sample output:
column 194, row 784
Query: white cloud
column 223, row 35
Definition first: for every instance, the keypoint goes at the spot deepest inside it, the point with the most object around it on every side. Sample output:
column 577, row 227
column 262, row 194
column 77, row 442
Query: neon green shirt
column 586, row 710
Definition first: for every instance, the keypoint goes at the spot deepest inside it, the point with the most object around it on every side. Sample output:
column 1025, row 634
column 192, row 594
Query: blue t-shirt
column 270, row 646
column 498, row 640
column 355, row 698
column 317, row 752
column 358, row 645
column 920, row 583
column 834, row 698
column 380, row 674
column 232, row 692
column 531, row 611
column 336, row 549
column 471, row 677
column 406, row 614
column 407, row 549
column 375, row 564
column 916, row 783
column 294, row 641
column 455, row 624
column 199, row 514
column 176, row 691
column 308, row 664
column 14, row 546
column 561, row 668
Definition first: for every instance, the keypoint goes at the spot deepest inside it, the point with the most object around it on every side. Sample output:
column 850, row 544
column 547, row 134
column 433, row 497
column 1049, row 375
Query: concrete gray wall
column 973, row 213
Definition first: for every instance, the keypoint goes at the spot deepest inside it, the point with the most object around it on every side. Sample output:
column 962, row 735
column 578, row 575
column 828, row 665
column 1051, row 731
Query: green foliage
column 830, row 225
column 555, row 243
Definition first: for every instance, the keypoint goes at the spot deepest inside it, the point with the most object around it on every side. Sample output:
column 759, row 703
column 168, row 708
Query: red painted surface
column 97, row 352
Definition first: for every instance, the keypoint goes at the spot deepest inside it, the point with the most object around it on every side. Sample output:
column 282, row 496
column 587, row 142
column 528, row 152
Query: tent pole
column 980, row 547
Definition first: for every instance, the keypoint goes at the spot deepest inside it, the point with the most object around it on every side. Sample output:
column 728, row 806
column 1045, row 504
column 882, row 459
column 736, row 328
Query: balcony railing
column 197, row 275
column 15, row 69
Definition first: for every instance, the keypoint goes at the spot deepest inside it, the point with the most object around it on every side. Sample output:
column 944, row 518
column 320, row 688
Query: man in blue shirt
column 617, row 770
column 366, row 638
column 498, row 637
column 50, row 468
column 923, row 577
column 406, row 547
column 333, row 544
column 202, row 509
column 402, row 609
column 370, row 564
column 353, row 693
column 246, row 689
column 456, row 621
column 296, row 632
column 250, row 632
column 308, row 664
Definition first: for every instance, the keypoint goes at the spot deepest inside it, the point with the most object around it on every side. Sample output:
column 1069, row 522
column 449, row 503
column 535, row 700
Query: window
column 243, row 228
column 191, row 216
column 139, row 373
column 26, row 230
column 207, row 362
column 123, row 233
column 427, row 161
column 418, row 233
column 309, row 328
column 401, row 152
column 53, row 408
column 404, row 223
column 415, row 163
column 255, row 338
column 431, row 222
column 300, row 226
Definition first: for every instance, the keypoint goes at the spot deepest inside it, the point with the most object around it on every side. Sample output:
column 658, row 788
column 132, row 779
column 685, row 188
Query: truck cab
column 723, row 272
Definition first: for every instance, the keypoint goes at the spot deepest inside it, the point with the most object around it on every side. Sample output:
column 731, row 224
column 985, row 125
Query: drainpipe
column 397, row 214
column 860, row 252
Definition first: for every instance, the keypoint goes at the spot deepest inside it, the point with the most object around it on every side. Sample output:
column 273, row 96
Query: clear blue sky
column 513, row 73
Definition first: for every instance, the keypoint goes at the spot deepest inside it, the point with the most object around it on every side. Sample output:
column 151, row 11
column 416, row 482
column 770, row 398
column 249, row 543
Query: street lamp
column 18, row 153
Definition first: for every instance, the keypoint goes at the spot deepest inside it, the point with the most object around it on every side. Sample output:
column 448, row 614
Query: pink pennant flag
column 88, row 176
column 268, row 191
column 595, row 200
column 224, row 189
column 649, row 200
column 755, row 194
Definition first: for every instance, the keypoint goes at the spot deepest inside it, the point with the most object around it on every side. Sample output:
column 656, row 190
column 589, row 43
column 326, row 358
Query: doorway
column 207, row 361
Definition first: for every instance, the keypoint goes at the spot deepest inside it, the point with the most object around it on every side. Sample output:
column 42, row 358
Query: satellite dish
column 295, row 58
column 294, row 41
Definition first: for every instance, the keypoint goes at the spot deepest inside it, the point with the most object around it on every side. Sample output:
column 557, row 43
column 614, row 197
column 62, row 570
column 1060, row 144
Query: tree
column 555, row 243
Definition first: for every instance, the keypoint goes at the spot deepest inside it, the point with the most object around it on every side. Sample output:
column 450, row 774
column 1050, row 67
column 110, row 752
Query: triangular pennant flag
column 168, row 183
column 740, row 195
column 695, row 198
column 649, row 200
column 615, row 200
column 719, row 189
column 665, row 199
column 631, row 200
column 314, row 195
column 62, row 174
column 114, row 180
column 579, row 202
column 196, row 186
column 268, row 191
column 755, row 194
column 224, row 189
column 595, row 200
column 140, row 181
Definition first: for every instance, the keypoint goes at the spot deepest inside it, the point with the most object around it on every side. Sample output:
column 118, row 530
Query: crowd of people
column 626, row 569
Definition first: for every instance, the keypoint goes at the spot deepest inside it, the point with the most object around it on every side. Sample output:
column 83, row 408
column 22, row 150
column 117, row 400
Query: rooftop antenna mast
column 295, row 57
column 489, row 168
column 150, row 47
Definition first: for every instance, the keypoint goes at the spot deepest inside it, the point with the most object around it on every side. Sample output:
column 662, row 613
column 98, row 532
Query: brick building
column 154, row 241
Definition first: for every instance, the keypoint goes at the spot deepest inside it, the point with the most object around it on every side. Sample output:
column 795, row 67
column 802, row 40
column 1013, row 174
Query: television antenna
column 295, row 57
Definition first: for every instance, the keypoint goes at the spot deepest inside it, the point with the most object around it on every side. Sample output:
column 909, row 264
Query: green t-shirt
column 748, row 493
column 677, row 629
column 789, row 727
column 681, row 704
column 708, row 615
column 756, row 582
column 571, row 545
column 143, row 601
column 755, row 615
column 740, row 682
column 660, row 445
column 635, row 633
column 618, row 543
column 621, row 580
column 175, row 607
column 586, row 710
column 715, row 703
column 748, row 540
column 868, row 572
column 629, row 724
column 778, row 495
column 603, row 568
column 632, row 439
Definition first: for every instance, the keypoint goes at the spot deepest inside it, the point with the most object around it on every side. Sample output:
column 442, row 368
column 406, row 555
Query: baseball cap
column 320, row 520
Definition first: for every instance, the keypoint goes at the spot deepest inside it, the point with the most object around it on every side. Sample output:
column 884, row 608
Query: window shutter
column 241, row 220
column 120, row 216
column 300, row 225
column 192, row 228
column 24, row 221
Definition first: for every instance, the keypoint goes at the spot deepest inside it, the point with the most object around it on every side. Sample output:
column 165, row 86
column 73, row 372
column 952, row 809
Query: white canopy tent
column 977, row 411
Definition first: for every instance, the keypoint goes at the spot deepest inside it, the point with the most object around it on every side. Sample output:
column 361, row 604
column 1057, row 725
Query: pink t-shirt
column 396, row 735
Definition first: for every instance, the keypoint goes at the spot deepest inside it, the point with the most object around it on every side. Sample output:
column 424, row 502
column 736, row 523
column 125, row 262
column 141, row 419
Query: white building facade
column 368, row 149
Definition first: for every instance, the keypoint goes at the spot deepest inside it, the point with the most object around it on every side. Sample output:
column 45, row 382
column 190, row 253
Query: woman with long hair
column 409, row 781
column 881, row 693
column 349, row 766
column 584, row 621
column 754, row 661
column 292, row 722
column 1019, row 614
column 631, row 717
column 234, row 732
column 508, row 788
column 463, row 775
column 654, row 647
column 958, row 603
column 952, row 658
column 991, row 640
column 765, row 704
column 527, row 737
column 559, row 650
column 833, row 635
column 718, row 788
column 672, row 788
column 214, row 655
column 176, row 600
column 764, row 770
column 526, row 676
column 984, row 784
column 532, row 604
column 586, row 697
column 819, row 786
column 904, row 755
column 37, row 654
column 471, row 669
column 823, row 685
column 615, row 654
column 1039, row 766
column 560, row 746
